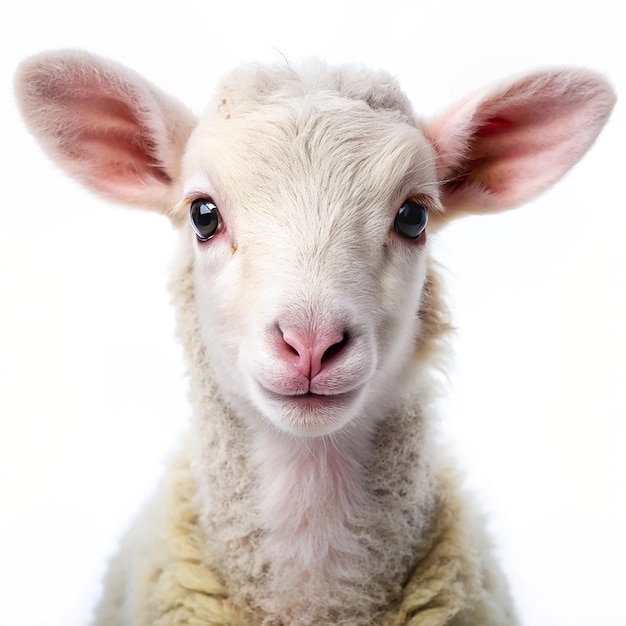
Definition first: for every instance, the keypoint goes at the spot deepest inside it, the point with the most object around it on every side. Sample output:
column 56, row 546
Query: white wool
column 312, row 489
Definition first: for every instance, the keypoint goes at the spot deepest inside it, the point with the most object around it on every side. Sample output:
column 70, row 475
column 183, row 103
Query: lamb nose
column 313, row 351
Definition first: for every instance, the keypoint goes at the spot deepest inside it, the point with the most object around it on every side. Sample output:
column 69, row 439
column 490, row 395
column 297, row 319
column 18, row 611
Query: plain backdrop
column 92, row 389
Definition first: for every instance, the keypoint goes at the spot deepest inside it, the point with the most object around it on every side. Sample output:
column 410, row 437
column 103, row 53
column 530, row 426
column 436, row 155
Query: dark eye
column 205, row 218
column 411, row 220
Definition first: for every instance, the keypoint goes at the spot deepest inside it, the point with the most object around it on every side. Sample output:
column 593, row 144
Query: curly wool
column 179, row 587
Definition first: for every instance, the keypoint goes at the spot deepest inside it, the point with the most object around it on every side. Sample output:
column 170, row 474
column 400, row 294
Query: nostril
column 293, row 341
column 309, row 352
column 336, row 348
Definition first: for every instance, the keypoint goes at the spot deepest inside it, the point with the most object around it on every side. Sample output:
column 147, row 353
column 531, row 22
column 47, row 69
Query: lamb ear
column 503, row 146
column 106, row 126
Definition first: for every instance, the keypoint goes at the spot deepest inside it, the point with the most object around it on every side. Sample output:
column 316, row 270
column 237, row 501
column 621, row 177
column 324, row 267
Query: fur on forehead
column 330, row 131
column 253, row 84
column 307, row 152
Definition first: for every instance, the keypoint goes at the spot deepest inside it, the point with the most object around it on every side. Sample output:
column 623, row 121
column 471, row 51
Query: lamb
column 312, row 488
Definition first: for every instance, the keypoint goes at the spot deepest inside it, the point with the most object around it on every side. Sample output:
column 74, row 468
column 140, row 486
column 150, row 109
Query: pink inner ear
column 114, row 144
column 105, row 130
column 498, row 149
column 107, row 126
column 493, row 125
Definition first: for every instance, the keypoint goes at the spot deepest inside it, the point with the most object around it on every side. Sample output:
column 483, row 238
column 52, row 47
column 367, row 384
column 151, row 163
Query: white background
column 92, row 394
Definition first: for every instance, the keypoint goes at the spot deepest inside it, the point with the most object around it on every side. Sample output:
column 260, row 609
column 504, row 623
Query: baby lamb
column 311, row 489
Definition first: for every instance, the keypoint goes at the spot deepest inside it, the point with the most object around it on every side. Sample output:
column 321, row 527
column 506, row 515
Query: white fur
column 312, row 328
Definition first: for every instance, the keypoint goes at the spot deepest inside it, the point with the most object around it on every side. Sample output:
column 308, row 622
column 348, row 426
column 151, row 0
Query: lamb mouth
column 310, row 397
column 309, row 414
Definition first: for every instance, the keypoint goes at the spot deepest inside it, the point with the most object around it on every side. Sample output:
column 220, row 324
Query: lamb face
column 307, row 295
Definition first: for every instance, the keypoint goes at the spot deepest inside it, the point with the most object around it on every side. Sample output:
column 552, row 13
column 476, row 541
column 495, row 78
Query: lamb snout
column 309, row 376
column 325, row 359
column 309, row 352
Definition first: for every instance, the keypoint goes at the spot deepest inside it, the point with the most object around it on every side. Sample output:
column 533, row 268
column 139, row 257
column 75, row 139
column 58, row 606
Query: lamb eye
column 411, row 220
column 205, row 218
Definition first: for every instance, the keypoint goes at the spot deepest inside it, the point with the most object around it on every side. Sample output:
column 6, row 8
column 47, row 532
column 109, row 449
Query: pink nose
column 312, row 351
